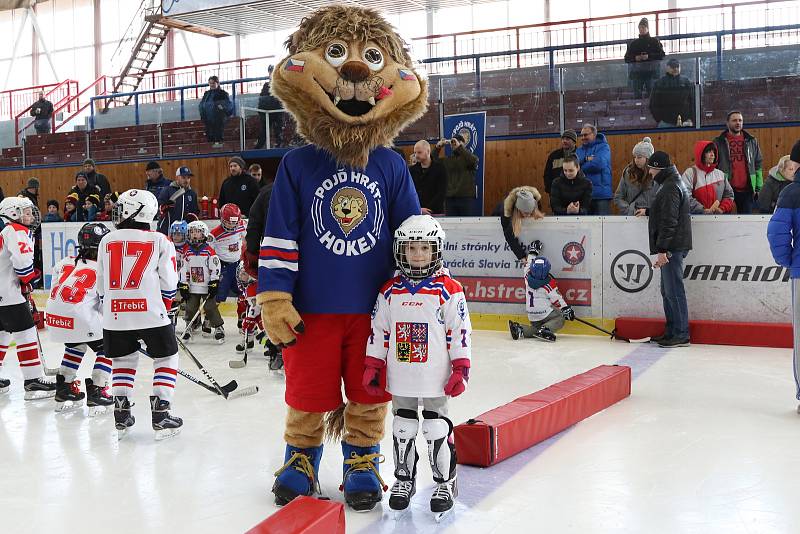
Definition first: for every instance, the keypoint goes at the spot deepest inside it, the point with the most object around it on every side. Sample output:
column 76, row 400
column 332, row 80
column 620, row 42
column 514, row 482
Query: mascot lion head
column 349, row 82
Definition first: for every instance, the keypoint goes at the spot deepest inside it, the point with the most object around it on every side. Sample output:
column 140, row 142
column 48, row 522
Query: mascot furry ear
column 349, row 82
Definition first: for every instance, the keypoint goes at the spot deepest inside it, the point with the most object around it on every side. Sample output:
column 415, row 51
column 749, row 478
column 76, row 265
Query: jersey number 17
column 117, row 250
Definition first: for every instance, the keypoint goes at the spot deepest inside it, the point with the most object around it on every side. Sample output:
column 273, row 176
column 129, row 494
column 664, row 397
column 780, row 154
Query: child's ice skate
column 68, row 394
column 443, row 499
column 123, row 419
column 164, row 424
column 97, row 399
column 39, row 388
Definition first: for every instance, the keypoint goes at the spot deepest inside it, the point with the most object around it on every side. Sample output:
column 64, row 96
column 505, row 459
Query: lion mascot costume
column 327, row 246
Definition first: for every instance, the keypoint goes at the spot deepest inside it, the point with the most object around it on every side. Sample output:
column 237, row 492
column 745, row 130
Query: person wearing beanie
column 91, row 205
column 670, row 231
column 215, row 107
column 636, row 188
column 572, row 190
column 155, row 179
column 239, row 188
column 552, row 167
column 783, row 234
column 95, row 178
column 672, row 99
column 520, row 203
column 643, row 56
column 711, row 192
column 739, row 157
column 71, row 207
column 460, row 167
column 31, row 191
column 52, row 214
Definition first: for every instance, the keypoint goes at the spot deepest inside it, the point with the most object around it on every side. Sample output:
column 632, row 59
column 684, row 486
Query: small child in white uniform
column 541, row 294
column 421, row 335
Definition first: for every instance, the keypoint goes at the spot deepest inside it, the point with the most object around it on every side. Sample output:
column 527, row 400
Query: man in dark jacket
column 430, row 179
column 673, row 97
column 460, row 167
column 572, row 191
column 783, row 233
column 670, row 230
column 83, row 188
column 178, row 201
column 255, row 229
column 740, row 160
column 42, row 112
column 215, row 107
column 155, row 178
column 552, row 168
column 643, row 56
column 239, row 188
column 95, row 178
column 268, row 102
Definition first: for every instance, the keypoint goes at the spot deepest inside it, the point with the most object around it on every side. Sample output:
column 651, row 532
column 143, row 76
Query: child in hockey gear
column 136, row 278
column 75, row 319
column 252, row 316
column 199, row 281
column 228, row 236
column 421, row 335
column 17, row 275
column 178, row 232
column 542, row 294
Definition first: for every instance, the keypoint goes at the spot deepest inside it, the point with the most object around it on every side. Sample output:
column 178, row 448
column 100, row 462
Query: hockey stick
column 613, row 334
column 48, row 371
column 238, row 364
column 229, row 387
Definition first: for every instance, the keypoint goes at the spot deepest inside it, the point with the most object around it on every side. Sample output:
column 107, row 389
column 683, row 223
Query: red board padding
column 503, row 432
column 305, row 515
column 777, row 335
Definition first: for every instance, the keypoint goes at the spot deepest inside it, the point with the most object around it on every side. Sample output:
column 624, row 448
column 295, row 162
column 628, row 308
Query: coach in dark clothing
column 670, row 231
column 571, row 192
column 42, row 112
column 552, row 168
column 255, row 229
column 430, row 179
column 155, row 178
column 239, row 188
column 644, row 55
column 673, row 97
column 177, row 201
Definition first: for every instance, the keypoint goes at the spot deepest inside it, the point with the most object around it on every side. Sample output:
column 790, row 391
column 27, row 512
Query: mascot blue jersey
column 329, row 230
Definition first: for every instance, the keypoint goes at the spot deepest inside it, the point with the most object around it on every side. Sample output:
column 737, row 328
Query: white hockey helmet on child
column 419, row 228
column 12, row 209
column 193, row 228
column 135, row 205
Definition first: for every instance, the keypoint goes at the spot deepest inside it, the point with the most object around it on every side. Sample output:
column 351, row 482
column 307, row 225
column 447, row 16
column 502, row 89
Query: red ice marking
column 501, row 433
column 305, row 515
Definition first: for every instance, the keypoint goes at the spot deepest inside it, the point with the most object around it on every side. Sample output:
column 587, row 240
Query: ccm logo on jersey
column 128, row 305
column 57, row 321
column 412, row 304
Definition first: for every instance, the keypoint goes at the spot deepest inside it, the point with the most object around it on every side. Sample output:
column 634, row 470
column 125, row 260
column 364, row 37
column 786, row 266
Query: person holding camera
column 460, row 167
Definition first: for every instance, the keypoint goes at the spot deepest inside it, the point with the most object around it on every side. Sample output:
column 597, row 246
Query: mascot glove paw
column 280, row 318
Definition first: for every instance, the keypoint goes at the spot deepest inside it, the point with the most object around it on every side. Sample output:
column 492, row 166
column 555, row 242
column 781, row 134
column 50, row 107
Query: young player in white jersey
column 74, row 318
column 421, row 335
column 178, row 232
column 16, row 276
column 228, row 237
column 137, row 279
column 199, row 281
column 251, row 324
column 541, row 296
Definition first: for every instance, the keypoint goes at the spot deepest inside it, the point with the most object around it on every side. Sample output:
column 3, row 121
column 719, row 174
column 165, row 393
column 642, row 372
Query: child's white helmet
column 135, row 205
column 12, row 209
column 419, row 228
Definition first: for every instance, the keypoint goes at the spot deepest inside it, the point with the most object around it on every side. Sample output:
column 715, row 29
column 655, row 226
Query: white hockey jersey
column 136, row 271
column 179, row 258
column 16, row 262
column 74, row 308
column 200, row 266
column 539, row 302
column 419, row 330
column 228, row 243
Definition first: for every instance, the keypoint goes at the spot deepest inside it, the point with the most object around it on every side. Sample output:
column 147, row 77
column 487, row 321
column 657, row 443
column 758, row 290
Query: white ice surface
column 708, row 442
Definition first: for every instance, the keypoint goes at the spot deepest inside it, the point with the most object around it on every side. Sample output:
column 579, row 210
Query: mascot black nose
column 354, row 71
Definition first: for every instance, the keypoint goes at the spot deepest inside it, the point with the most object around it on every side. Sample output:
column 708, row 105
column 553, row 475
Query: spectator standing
column 711, row 192
column 256, row 172
column 740, row 160
column 239, row 188
column 460, row 167
column 636, row 189
column 783, row 233
column 670, row 233
column 643, row 56
column 42, row 113
column 155, row 179
column 594, row 156
column 779, row 177
column 82, row 190
column 52, row 212
column 520, row 203
column 178, row 202
column 572, row 191
column 215, row 107
column 95, row 178
column 430, row 179
column 268, row 102
column 31, row 191
column 552, row 168
column 672, row 99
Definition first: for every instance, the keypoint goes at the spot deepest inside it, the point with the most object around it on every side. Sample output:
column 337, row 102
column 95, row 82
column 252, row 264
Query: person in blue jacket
column 178, row 201
column 783, row 233
column 595, row 159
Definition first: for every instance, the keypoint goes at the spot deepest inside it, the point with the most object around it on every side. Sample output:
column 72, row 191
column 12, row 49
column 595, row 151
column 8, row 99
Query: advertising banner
column 471, row 126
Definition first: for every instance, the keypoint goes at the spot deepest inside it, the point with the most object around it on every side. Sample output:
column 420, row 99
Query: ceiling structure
column 256, row 16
